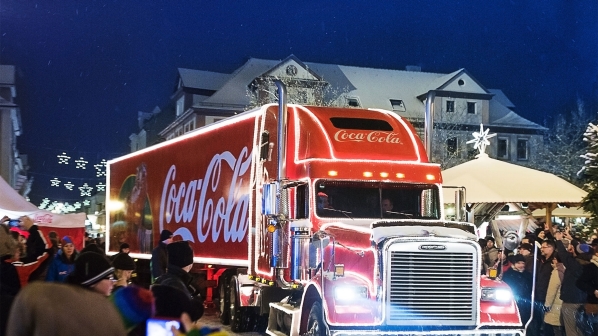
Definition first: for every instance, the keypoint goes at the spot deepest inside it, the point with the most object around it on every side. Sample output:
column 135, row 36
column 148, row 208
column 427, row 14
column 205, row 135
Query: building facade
column 461, row 103
column 13, row 165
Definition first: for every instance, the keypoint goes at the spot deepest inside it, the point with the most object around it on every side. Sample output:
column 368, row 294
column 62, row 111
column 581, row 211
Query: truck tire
column 241, row 318
column 224, row 298
column 315, row 322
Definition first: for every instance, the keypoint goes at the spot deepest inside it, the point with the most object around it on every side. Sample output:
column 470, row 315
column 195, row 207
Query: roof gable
column 292, row 67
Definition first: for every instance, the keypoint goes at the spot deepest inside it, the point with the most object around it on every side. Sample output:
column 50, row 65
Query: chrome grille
column 432, row 287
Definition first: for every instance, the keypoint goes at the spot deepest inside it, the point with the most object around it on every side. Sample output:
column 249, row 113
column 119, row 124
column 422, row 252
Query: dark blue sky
column 86, row 67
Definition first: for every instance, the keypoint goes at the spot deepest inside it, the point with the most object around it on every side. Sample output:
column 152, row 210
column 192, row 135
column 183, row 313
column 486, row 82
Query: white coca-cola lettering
column 227, row 214
column 374, row 136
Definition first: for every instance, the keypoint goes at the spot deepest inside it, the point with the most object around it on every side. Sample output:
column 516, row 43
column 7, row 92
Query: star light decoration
column 63, row 158
column 81, row 163
column 101, row 168
column 55, row 182
column 101, row 186
column 480, row 139
column 85, row 190
column 86, row 202
column 69, row 185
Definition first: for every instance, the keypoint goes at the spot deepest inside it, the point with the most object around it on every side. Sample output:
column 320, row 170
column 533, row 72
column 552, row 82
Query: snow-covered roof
column 374, row 88
column 199, row 79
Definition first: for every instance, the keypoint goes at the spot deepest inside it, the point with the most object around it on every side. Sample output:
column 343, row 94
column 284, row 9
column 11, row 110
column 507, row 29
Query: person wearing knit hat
column 520, row 282
column 93, row 271
column 160, row 255
column 180, row 262
column 123, row 269
column 63, row 263
column 135, row 305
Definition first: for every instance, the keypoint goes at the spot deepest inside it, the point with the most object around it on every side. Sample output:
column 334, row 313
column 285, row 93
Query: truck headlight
column 496, row 294
column 350, row 293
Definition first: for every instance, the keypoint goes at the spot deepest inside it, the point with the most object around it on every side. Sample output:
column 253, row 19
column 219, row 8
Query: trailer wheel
column 315, row 321
column 224, row 298
column 241, row 318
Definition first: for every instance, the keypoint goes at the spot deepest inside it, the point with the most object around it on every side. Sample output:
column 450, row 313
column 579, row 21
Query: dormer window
column 353, row 102
column 398, row 105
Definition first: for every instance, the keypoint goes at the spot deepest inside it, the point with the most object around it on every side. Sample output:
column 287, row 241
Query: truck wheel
column 224, row 299
column 315, row 322
column 241, row 318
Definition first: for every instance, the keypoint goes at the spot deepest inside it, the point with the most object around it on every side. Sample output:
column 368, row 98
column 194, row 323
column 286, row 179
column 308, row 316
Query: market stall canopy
column 488, row 180
column 563, row 212
column 13, row 205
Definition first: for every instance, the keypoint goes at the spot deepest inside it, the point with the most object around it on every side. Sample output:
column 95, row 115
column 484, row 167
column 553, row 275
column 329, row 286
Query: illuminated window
column 180, row 106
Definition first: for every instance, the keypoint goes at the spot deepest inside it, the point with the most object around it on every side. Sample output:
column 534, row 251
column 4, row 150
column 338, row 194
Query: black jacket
column 588, row 281
column 159, row 260
column 167, row 303
column 521, row 286
column 543, row 272
column 570, row 293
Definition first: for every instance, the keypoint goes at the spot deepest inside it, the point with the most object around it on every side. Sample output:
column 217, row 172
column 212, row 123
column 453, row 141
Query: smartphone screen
column 161, row 327
column 14, row 223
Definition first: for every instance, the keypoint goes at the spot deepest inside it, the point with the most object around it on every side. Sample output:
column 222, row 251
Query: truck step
column 279, row 313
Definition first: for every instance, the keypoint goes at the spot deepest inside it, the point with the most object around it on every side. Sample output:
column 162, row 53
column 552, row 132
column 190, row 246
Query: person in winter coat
column 489, row 253
column 574, row 257
column 527, row 251
column 180, row 262
column 588, row 282
column 553, row 301
column 520, row 282
column 543, row 273
column 63, row 262
column 9, row 278
column 94, row 272
column 160, row 255
column 38, row 249
column 123, row 269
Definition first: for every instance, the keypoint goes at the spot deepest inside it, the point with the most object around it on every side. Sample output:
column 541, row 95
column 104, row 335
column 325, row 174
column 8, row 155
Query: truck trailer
column 312, row 221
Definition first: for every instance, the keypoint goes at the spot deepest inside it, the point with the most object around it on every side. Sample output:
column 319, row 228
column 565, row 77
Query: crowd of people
column 47, row 287
column 564, row 298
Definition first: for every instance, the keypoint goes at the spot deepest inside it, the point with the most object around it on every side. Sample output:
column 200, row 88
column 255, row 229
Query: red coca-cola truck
column 312, row 220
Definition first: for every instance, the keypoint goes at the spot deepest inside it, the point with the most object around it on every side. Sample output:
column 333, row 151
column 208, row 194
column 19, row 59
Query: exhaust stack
column 429, row 123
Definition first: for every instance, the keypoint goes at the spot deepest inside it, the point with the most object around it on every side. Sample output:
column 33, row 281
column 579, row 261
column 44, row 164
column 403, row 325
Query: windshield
column 376, row 200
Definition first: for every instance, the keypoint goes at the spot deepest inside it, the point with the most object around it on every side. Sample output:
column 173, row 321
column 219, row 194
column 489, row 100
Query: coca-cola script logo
column 46, row 218
column 374, row 136
column 186, row 201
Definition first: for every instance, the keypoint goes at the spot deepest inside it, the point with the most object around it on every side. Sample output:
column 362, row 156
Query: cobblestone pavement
column 210, row 318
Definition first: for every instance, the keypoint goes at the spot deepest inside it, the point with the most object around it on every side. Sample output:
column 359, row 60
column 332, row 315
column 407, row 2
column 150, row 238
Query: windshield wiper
column 346, row 213
column 399, row 213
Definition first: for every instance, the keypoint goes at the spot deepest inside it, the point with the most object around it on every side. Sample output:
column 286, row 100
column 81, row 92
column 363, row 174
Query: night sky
column 84, row 68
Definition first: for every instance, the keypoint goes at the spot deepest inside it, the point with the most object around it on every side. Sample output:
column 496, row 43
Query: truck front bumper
column 485, row 332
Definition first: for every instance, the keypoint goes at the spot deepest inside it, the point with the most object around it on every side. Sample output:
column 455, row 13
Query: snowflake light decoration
column 55, row 182
column 85, row 190
column 63, row 158
column 480, row 139
column 81, row 163
column 69, row 185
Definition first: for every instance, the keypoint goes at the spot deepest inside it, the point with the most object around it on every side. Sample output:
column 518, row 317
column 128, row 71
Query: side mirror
column 269, row 199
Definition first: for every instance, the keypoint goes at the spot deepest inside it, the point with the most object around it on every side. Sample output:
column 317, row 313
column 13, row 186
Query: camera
column 161, row 327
